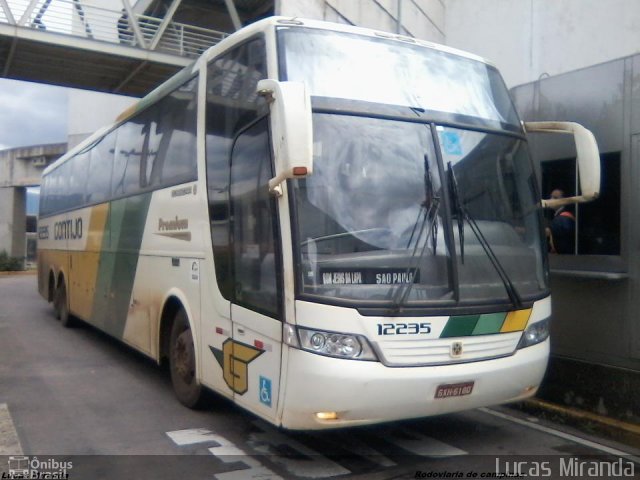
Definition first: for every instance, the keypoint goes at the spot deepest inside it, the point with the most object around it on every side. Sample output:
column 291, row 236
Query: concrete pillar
column 13, row 220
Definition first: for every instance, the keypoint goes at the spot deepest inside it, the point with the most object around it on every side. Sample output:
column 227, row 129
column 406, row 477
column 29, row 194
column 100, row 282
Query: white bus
column 329, row 225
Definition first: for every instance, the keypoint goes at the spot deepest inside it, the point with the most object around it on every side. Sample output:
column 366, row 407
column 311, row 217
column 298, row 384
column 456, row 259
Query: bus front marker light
column 290, row 336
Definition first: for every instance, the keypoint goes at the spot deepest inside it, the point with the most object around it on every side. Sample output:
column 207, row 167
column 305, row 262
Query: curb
column 612, row 428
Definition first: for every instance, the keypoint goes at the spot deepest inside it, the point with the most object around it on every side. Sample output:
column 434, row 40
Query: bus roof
column 238, row 37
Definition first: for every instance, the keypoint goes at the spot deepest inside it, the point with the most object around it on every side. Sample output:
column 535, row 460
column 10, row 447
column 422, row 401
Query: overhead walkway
column 112, row 45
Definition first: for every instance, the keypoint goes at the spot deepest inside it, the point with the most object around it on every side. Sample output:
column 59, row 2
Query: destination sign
column 369, row 276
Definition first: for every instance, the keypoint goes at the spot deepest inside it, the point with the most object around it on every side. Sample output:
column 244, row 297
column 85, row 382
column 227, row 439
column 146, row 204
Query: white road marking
column 314, row 465
column 566, row 436
column 422, row 445
column 9, row 443
column 227, row 452
column 191, row 436
column 354, row 445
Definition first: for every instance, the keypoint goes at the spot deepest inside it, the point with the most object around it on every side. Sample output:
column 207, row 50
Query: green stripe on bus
column 119, row 261
column 461, row 326
column 489, row 323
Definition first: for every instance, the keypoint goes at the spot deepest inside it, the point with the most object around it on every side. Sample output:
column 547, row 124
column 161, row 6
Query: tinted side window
column 171, row 147
column 232, row 103
column 99, row 184
column 253, row 210
column 62, row 187
column 78, row 172
column 178, row 119
column 129, row 150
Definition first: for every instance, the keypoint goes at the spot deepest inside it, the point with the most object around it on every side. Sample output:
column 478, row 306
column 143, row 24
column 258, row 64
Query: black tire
column 61, row 305
column 182, row 363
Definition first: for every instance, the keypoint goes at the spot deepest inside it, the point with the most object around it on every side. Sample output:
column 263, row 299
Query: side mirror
column 291, row 130
column 588, row 159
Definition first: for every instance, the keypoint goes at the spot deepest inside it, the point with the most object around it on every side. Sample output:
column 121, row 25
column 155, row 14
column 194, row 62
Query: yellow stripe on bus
column 516, row 321
column 85, row 264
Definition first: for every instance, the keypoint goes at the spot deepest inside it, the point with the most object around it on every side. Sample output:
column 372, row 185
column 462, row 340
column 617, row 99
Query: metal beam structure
column 117, row 50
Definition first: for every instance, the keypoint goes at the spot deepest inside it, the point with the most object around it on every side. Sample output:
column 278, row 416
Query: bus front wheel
column 182, row 363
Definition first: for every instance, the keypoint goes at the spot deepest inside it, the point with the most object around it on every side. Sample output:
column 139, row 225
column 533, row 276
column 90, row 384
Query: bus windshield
column 372, row 218
column 392, row 72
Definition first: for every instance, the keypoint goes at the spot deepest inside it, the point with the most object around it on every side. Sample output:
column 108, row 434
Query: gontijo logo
column 67, row 229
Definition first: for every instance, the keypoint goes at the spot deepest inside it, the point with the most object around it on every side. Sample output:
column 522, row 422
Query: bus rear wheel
column 182, row 363
column 61, row 305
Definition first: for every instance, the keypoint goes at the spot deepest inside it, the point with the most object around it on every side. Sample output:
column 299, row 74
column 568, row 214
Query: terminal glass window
column 585, row 229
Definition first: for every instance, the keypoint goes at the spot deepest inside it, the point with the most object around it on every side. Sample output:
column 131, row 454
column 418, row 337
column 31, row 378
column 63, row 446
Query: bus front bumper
column 361, row 393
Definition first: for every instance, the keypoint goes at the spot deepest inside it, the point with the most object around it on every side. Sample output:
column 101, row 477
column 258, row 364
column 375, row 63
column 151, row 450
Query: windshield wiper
column 457, row 209
column 463, row 215
column 430, row 205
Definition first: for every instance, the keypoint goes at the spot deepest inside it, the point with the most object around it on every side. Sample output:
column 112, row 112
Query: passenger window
column 171, row 150
column 255, row 263
column 98, row 187
column 129, row 150
column 79, row 170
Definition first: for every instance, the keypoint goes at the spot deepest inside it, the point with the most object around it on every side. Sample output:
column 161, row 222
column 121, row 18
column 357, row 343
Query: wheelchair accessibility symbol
column 265, row 391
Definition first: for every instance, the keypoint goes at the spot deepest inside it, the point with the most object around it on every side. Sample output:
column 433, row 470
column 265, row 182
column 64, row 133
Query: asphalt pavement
column 77, row 398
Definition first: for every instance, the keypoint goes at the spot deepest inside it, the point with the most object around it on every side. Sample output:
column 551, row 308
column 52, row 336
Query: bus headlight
column 335, row 344
column 535, row 333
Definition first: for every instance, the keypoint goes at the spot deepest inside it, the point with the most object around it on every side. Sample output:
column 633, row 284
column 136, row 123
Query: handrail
column 73, row 18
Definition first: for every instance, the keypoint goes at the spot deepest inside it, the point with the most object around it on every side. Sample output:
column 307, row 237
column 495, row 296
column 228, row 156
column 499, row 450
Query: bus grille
column 442, row 351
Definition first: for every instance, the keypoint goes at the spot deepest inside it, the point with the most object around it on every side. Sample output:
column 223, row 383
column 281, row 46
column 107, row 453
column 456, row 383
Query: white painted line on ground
column 358, row 447
column 254, row 473
column 314, row 465
column 566, row 436
column 191, row 436
column 422, row 445
column 227, row 452
column 9, row 443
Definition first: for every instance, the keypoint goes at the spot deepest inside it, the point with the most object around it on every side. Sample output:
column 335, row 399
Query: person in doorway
column 562, row 228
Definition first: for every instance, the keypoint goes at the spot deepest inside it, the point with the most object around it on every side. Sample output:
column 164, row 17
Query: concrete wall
column 423, row 19
column 19, row 168
column 23, row 166
column 13, row 221
column 529, row 38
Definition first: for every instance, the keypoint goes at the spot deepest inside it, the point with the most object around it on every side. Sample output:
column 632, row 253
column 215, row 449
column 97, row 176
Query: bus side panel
column 85, row 249
column 52, row 253
column 118, row 262
column 169, row 263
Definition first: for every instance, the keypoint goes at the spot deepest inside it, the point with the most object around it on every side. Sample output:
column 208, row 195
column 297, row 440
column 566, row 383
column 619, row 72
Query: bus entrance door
column 257, row 341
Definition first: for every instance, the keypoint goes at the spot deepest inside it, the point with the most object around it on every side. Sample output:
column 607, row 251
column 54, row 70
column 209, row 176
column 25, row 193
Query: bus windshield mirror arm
column 291, row 130
column 587, row 159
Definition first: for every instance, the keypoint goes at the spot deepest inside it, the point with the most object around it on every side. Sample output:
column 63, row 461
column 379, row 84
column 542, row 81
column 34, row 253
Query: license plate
column 454, row 390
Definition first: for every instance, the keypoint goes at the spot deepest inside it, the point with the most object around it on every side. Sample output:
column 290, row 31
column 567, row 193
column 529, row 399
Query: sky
column 32, row 114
